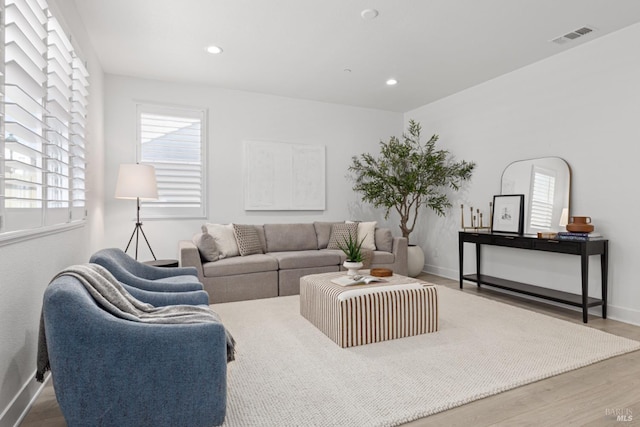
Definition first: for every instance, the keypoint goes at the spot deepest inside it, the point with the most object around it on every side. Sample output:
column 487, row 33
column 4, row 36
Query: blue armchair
column 147, row 277
column 113, row 372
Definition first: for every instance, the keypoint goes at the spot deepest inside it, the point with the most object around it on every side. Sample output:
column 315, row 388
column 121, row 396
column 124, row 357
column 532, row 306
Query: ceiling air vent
column 573, row 35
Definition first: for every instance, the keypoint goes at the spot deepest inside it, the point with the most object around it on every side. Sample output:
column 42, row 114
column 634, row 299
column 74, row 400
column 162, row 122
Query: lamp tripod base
column 137, row 230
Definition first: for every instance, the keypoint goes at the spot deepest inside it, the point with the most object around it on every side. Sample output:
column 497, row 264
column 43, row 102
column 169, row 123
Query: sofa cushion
column 263, row 242
column 206, row 245
column 225, row 239
column 305, row 259
column 372, row 257
column 337, row 252
column 323, row 232
column 247, row 239
column 384, row 240
column 240, row 265
column 290, row 237
column 340, row 233
column 380, row 257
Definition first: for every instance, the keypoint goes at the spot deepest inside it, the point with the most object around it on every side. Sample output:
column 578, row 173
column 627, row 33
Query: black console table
column 583, row 249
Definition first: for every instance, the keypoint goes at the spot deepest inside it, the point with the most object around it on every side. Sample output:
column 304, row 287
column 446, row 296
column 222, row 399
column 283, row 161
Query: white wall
column 581, row 105
column 28, row 266
column 235, row 116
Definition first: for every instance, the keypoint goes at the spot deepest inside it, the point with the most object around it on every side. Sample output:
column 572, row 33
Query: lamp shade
column 136, row 181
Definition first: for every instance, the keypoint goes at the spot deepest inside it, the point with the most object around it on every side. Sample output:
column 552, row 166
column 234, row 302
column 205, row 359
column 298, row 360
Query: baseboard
column 623, row 314
column 447, row 273
column 18, row 408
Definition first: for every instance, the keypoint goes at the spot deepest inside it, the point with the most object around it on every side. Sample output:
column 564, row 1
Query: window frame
column 149, row 210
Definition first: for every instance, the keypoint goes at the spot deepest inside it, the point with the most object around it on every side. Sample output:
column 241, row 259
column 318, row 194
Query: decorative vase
column 352, row 267
column 580, row 224
column 415, row 260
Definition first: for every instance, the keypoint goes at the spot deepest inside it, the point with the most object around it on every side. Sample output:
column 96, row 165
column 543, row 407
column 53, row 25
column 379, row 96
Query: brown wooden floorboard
column 583, row 397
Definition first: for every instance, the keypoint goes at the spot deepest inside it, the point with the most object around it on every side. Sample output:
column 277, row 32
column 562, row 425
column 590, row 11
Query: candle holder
column 477, row 222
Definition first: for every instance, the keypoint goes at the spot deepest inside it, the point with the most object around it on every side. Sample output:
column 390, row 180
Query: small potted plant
column 353, row 250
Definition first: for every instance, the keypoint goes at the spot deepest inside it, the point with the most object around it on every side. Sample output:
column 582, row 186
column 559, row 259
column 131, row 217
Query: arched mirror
column 546, row 185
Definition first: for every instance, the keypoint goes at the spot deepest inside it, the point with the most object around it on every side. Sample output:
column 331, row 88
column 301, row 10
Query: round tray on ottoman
column 381, row 272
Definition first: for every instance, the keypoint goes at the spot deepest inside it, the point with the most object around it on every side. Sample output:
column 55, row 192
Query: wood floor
column 591, row 396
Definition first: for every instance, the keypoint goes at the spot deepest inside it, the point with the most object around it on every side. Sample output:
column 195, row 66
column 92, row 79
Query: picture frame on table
column 508, row 214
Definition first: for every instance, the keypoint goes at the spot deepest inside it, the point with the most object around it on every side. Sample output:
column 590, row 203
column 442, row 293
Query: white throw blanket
column 114, row 298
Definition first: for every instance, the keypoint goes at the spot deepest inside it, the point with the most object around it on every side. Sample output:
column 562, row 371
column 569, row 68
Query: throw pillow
column 247, row 239
column 384, row 240
column 323, row 232
column 225, row 240
column 367, row 231
column 206, row 245
column 340, row 233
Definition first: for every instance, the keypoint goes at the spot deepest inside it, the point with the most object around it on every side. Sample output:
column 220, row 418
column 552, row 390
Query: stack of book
column 580, row 237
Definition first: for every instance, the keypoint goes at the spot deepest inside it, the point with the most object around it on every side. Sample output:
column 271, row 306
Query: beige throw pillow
column 206, row 245
column 340, row 233
column 247, row 239
column 225, row 240
column 367, row 231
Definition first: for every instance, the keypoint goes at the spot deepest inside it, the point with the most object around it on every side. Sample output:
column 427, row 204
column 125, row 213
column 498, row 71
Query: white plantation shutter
column 78, row 135
column 58, row 103
column 172, row 140
column 542, row 194
column 25, row 66
column 37, row 168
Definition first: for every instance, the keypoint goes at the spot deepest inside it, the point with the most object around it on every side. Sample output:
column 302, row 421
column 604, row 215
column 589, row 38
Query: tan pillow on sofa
column 206, row 245
column 367, row 231
column 225, row 239
column 384, row 240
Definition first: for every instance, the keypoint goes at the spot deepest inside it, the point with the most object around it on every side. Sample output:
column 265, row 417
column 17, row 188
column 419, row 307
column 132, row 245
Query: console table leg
column 584, row 262
column 460, row 258
column 478, row 263
column 604, row 268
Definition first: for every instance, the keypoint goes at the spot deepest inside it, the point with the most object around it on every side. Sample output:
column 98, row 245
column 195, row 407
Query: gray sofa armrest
column 400, row 252
column 190, row 257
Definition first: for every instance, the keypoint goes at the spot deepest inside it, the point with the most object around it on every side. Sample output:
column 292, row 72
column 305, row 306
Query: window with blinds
column 43, row 127
column 172, row 140
column 543, row 185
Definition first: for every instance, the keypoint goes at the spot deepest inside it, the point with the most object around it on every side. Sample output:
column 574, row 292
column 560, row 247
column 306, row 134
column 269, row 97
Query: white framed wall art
column 283, row 176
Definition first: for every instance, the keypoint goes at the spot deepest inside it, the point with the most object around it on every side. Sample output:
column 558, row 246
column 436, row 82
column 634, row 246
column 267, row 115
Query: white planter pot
column 352, row 267
column 415, row 262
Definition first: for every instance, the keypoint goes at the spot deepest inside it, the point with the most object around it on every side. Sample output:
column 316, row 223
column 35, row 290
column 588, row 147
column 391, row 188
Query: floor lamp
column 136, row 181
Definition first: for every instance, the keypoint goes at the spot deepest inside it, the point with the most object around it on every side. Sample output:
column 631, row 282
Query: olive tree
column 407, row 175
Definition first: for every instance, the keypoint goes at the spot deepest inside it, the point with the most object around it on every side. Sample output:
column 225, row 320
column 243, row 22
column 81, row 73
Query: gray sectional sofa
column 290, row 252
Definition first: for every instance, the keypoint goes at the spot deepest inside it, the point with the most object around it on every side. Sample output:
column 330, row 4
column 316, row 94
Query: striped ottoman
column 364, row 314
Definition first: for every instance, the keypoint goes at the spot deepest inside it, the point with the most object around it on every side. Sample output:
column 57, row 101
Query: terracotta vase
column 580, row 224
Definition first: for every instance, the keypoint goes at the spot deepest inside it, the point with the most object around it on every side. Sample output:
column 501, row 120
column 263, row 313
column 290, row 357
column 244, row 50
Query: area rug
column 287, row 373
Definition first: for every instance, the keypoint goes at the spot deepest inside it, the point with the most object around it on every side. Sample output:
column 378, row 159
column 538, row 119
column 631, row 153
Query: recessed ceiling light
column 369, row 14
column 214, row 49
column 392, row 82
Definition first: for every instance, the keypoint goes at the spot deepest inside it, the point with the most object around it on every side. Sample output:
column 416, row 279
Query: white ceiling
column 300, row 48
